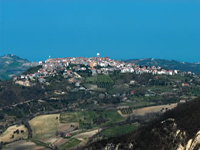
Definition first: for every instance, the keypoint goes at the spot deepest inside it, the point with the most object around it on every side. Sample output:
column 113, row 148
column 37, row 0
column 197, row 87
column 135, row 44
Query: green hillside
column 169, row 64
column 11, row 65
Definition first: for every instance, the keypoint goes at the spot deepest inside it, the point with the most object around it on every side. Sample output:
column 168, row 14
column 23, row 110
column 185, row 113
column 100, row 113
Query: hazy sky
column 120, row 29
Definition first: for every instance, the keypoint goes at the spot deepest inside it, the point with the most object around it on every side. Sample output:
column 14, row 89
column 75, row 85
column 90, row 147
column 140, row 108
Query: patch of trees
column 12, row 93
column 169, row 99
column 27, row 125
column 87, row 125
column 106, row 85
column 160, row 82
column 126, row 111
column 32, row 70
column 104, row 81
column 107, row 100
column 99, row 120
column 140, row 91
column 28, row 109
column 18, row 131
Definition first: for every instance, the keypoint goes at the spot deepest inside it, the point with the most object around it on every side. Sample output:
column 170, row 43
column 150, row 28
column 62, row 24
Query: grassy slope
column 104, row 78
column 6, row 136
column 44, row 126
column 99, row 78
column 71, row 143
column 119, row 130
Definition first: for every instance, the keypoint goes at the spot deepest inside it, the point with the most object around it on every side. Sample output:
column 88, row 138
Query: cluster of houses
column 99, row 65
column 96, row 65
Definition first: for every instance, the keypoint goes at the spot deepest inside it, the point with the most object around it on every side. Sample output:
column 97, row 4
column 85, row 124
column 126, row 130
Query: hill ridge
column 169, row 64
column 13, row 65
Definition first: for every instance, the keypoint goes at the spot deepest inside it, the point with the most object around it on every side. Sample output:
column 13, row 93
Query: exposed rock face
column 24, row 83
column 193, row 144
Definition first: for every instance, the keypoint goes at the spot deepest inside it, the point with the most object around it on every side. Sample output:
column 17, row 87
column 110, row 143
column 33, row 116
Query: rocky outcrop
column 167, row 134
column 193, row 144
column 24, row 83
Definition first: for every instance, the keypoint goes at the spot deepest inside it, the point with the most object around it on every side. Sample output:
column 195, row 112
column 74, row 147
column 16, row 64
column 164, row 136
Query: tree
column 62, row 134
column 17, row 131
column 57, row 133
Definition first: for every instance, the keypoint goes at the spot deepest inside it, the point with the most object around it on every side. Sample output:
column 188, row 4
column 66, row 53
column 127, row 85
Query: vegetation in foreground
column 170, row 131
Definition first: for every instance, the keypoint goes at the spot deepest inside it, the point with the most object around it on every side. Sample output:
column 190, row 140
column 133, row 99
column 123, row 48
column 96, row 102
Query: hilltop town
column 69, row 67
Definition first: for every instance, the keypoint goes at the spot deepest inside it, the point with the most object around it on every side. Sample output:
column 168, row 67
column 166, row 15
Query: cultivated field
column 77, row 140
column 119, row 130
column 151, row 109
column 86, row 118
column 9, row 135
column 70, row 143
column 87, row 134
column 44, row 126
column 67, row 127
column 24, row 145
column 92, row 79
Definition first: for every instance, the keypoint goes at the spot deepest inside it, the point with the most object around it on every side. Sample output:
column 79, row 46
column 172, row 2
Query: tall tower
column 97, row 59
column 49, row 57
